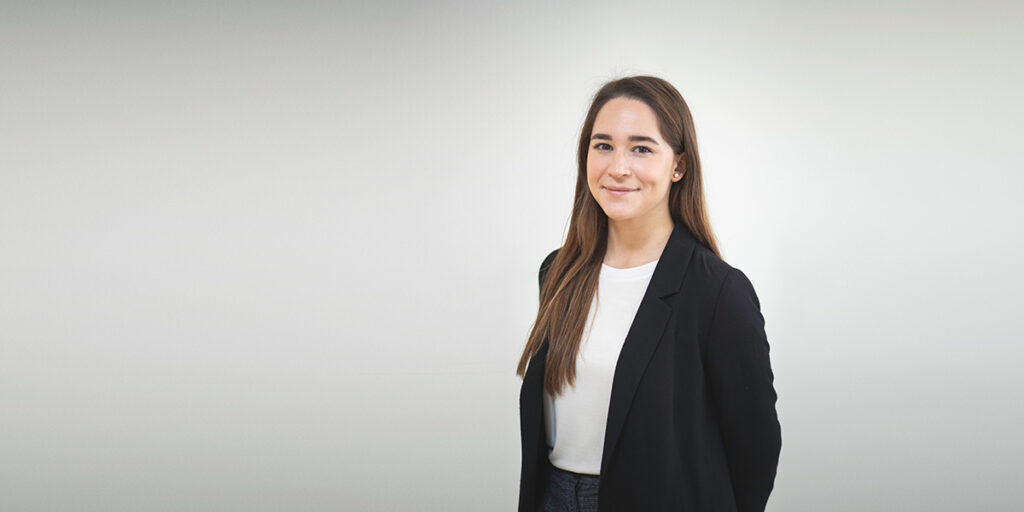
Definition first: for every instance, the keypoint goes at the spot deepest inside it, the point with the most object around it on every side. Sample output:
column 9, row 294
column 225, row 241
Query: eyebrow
column 632, row 138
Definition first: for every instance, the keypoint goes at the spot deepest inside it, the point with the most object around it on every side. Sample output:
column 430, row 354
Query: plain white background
column 283, row 256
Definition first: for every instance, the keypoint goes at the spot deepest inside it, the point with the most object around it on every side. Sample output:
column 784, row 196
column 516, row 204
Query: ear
column 680, row 167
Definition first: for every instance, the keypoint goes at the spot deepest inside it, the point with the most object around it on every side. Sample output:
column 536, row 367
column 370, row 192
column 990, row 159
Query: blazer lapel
column 645, row 332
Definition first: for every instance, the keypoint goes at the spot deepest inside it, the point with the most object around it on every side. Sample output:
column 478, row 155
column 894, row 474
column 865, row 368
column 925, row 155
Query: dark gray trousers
column 570, row 492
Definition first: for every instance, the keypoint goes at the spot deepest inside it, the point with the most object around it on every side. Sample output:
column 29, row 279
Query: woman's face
column 629, row 166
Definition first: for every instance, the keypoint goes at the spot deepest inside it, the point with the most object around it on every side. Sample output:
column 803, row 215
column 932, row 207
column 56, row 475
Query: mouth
column 619, row 191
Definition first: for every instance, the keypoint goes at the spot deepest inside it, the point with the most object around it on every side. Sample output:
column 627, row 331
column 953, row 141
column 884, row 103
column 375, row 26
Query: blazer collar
column 637, row 349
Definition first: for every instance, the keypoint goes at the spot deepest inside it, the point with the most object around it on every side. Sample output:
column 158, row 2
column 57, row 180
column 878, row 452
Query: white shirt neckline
column 629, row 273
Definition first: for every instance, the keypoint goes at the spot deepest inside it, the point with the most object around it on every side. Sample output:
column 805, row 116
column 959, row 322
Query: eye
column 599, row 144
column 645, row 149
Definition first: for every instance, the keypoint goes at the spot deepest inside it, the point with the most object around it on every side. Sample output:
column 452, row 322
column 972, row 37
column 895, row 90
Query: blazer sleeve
column 740, row 382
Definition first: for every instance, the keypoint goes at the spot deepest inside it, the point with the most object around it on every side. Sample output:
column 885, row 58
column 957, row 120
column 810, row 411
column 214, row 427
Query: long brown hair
column 571, row 279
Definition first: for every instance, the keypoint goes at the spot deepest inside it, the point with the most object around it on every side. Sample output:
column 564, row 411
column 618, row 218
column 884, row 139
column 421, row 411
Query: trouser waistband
column 578, row 476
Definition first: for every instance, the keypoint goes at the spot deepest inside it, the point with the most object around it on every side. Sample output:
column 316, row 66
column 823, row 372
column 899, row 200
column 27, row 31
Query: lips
column 619, row 191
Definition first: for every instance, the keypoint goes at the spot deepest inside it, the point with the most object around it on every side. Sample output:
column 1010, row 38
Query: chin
column 618, row 215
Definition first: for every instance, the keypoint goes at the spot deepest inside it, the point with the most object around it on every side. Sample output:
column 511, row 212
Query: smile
column 617, row 192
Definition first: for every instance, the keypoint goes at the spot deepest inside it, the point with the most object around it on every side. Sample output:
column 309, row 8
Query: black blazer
column 691, row 424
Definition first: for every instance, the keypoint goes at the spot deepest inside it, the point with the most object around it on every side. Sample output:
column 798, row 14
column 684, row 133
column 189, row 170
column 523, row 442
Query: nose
column 619, row 165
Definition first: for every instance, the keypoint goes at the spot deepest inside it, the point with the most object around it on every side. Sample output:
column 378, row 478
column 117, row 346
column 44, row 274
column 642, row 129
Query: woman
column 646, row 379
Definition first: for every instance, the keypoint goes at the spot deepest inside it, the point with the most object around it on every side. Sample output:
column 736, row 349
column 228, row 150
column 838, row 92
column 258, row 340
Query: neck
column 633, row 242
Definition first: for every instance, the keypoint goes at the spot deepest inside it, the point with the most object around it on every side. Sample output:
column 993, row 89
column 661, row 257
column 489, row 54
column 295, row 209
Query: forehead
column 624, row 116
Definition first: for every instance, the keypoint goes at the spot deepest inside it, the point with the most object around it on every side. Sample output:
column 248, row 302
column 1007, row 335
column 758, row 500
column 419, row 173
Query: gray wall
column 283, row 256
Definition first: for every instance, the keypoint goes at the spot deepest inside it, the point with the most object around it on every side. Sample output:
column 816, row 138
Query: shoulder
column 725, row 283
column 706, row 267
column 545, row 265
column 717, row 281
column 548, row 259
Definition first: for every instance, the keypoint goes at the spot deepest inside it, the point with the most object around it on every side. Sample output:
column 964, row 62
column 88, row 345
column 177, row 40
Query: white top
column 575, row 420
